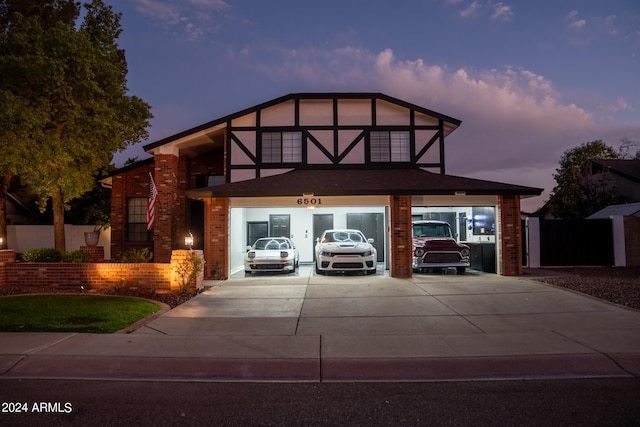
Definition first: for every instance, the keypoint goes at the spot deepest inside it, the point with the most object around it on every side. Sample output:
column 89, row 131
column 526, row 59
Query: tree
column 64, row 103
column 578, row 194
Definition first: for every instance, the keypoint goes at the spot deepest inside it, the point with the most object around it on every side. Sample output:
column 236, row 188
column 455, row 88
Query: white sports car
column 345, row 250
column 271, row 254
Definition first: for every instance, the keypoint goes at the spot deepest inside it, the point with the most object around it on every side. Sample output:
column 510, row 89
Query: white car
column 271, row 254
column 345, row 250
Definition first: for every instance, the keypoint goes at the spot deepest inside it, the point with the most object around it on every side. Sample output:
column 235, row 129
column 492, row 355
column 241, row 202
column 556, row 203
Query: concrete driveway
column 305, row 327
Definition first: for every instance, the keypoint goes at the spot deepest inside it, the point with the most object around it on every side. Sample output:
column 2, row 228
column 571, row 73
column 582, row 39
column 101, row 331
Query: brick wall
column 129, row 184
column 106, row 276
column 401, row 240
column 511, row 236
column 169, row 206
column 216, row 241
column 72, row 276
column 632, row 241
column 6, row 256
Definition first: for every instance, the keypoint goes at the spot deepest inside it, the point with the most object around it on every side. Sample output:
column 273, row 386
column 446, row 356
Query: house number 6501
column 309, row 201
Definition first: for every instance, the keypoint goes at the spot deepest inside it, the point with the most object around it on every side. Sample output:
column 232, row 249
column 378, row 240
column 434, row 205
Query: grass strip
column 71, row 313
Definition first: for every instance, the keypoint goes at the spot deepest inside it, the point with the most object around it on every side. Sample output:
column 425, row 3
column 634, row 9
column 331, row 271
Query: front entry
column 372, row 226
column 279, row 226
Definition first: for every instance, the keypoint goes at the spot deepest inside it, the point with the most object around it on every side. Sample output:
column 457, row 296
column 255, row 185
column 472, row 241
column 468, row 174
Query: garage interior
column 252, row 218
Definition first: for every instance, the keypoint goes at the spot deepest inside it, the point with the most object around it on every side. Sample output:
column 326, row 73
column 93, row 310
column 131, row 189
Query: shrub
column 77, row 256
column 137, row 255
column 42, row 255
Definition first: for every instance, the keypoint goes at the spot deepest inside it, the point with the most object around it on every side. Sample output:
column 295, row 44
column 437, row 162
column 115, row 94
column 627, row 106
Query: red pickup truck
column 435, row 247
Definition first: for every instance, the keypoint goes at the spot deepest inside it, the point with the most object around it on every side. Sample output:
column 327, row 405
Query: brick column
column 96, row 253
column 401, row 241
column 165, row 177
column 216, row 238
column 511, row 236
column 7, row 256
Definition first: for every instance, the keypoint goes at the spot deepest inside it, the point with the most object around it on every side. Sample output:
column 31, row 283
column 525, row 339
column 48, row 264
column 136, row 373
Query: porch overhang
column 351, row 182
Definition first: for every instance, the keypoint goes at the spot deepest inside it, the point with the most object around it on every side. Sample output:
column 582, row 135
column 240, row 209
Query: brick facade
column 216, row 241
column 511, row 236
column 169, row 210
column 128, row 184
column 401, row 237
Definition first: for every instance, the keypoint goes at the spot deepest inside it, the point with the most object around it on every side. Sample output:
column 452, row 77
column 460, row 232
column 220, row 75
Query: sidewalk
column 312, row 328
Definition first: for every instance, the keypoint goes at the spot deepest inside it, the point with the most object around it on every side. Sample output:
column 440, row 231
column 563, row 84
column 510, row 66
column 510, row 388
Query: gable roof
column 349, row 182
column 627, row 209
column 453, row 123
column 629, row 169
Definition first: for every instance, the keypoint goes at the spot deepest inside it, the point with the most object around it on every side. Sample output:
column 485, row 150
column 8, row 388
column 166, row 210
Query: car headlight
column 419, row 252
column 251, row 254
column 367, row 253
column 284, row 254
column 465, row 252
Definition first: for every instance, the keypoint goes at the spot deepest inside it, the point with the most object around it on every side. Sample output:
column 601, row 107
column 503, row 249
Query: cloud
column 193, row 17
column 515, row 123
column 470, row 10
column 574, row 22
column 502, row 12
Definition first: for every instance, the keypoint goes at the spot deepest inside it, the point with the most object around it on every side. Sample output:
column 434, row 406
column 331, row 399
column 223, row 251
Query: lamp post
column 188, row 241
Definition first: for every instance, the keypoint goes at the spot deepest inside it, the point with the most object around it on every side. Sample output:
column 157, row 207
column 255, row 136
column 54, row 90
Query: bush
column 77, row 256
column 42, row 255
column 137, row 255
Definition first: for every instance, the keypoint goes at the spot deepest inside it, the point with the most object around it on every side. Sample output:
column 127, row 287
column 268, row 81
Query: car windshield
column 342, row 236
column 271, row 244
column 431, row 230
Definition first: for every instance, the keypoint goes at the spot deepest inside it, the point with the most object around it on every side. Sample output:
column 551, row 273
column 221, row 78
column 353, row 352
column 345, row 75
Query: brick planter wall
column 6, row 256
column 71, row 276
column 104, row 276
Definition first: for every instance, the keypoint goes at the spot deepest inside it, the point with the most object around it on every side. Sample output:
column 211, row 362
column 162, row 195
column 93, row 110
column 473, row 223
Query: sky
column 528, row 79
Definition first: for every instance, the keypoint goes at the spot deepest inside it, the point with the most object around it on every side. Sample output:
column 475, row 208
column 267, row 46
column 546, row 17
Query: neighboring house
column 623, row 176
column 17, row 212
column 627, row 209
column 300, row 164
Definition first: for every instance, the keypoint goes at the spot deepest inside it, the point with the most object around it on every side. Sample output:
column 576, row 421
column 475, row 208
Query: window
column 282, row 147
column 137, row 220
column 390, row 146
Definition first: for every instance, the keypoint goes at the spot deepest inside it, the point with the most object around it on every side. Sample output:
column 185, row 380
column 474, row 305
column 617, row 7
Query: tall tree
column 578, row 194
column 64, row 102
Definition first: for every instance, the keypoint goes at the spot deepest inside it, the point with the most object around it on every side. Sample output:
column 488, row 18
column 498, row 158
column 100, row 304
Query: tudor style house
column 303, row 163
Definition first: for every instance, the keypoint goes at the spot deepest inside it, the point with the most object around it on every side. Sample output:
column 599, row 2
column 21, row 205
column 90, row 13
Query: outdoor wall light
column 188, row 241
column 1, row 241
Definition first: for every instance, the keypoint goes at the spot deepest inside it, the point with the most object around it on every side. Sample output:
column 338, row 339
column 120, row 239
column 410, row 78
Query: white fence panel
column 23, row 237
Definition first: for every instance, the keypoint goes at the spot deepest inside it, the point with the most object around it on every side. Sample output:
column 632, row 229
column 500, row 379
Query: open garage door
column 475, row 226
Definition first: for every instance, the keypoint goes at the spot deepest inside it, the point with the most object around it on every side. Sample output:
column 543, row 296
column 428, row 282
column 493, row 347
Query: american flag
column 151, row 203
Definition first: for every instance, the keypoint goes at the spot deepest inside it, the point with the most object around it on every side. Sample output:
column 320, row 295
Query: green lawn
column 71, row 313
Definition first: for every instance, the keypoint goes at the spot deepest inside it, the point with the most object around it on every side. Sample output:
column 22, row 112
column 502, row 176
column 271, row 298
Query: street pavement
column 304, row 327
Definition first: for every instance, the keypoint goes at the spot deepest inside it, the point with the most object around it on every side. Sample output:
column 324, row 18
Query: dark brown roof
column 629, row 169
column 350, row 182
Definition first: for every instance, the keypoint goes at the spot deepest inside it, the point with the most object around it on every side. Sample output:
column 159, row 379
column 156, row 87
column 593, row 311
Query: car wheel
column 318, row 271
column 461, row 270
